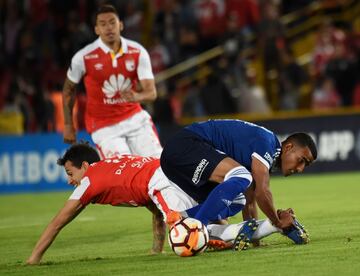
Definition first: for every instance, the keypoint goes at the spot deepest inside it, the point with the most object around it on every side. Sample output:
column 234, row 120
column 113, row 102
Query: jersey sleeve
column 81, row 192
column 263, row 150
column 77, row 68
column 144, row 69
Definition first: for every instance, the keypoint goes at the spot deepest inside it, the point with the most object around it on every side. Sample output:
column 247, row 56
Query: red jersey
column 117, row 181
column 106, row 75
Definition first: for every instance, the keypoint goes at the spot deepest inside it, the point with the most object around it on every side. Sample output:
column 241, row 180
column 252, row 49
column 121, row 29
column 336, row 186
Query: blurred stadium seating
column 264, row 52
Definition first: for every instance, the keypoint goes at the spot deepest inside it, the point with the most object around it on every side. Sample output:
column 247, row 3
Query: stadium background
column 288, row 65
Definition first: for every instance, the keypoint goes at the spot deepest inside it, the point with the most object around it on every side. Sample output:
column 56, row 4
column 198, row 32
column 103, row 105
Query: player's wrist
column 277, row 223
column 33, row 260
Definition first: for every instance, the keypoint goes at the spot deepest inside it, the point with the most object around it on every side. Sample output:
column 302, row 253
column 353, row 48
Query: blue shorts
column 188, row 160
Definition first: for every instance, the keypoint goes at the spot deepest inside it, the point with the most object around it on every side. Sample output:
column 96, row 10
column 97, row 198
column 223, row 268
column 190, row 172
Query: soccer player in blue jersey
column 225, row 166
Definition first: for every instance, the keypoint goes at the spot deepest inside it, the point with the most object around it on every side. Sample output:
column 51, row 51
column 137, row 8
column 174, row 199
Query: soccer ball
column 188, row 237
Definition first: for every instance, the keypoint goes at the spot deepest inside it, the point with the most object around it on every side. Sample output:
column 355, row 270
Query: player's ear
column 121, row 25
column 288, row 146
column 85, row 165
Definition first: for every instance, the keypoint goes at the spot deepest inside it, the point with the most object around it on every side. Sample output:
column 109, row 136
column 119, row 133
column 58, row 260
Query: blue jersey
column 240, row 140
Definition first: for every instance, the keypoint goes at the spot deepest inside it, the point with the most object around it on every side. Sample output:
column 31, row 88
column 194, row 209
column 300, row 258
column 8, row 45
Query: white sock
column 224, row 232
column 230, row 231
column 264, row 229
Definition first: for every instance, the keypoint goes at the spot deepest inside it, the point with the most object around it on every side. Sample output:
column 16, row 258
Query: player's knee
column 239, row 200
column 240, row 175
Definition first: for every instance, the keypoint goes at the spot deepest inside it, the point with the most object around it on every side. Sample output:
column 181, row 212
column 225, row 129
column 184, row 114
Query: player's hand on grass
column 69, row 134
column 286, row 218
column 156, row 252
column 282, row 213
column 289, row 210
column 33, row 261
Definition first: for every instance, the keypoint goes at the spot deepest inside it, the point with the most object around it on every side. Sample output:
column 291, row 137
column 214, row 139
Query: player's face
column 74, row 174
column 294, row 159
column 108, row 27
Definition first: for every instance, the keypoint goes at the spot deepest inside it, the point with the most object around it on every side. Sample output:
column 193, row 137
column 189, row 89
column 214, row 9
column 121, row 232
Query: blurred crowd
column 39, row 37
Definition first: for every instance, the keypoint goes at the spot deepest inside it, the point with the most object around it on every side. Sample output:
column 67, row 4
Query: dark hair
column 106, row 9
column 79, row 153
column 303, row 140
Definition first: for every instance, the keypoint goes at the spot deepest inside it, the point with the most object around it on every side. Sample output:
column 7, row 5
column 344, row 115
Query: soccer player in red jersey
column 123, row 181
column 113, row 68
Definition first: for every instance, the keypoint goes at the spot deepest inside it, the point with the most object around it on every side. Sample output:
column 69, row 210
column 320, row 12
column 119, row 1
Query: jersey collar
column 106, row 49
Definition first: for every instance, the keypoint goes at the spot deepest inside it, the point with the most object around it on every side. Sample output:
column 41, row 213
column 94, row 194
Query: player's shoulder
column 133, row 46
column 256, row 133
column 94, row 168
column 267, row 137
column 266, row 133
column 88, row 51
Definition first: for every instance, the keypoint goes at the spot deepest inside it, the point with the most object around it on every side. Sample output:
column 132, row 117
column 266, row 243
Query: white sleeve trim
column 261, row 159
column 144, row 69
column 80, row 190
column 69, row 75
column 77, row 69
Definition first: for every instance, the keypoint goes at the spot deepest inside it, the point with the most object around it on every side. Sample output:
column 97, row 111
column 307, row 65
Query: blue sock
column 193, row 211
column 220, row 199
column 232, row 210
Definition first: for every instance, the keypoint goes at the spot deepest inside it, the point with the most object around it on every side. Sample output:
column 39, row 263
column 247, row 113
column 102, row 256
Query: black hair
column 106, row 9
column 303, row 140
column 78, row 153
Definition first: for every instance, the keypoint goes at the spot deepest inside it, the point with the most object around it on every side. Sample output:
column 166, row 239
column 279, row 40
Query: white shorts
column 167, row 195
column 135, row 135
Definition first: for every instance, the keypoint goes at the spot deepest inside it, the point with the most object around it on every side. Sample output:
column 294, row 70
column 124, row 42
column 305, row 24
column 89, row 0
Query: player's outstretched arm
column 71, row 209
column 263, row 194
column 69, row 93
column 159, row 229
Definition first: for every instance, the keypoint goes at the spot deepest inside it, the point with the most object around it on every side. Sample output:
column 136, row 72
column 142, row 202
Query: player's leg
column 144, row 140
column 169, row 198
column 236, row 181
column 110, row 142
column 188, row 161
column 239, row 236
column 229, row 232
column 235, row 207
column 191, row 162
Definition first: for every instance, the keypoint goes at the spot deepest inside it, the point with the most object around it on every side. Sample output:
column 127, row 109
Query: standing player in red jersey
column 112, row 68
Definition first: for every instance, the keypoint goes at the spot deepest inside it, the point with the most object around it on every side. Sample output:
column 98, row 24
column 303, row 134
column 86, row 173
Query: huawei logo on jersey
column 115, row 85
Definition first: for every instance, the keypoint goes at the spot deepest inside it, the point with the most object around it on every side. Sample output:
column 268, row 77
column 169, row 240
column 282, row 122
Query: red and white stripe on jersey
column 117, row 181
column 106, row 74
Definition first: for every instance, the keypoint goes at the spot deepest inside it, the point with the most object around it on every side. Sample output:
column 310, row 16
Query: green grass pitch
column 107, row 240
